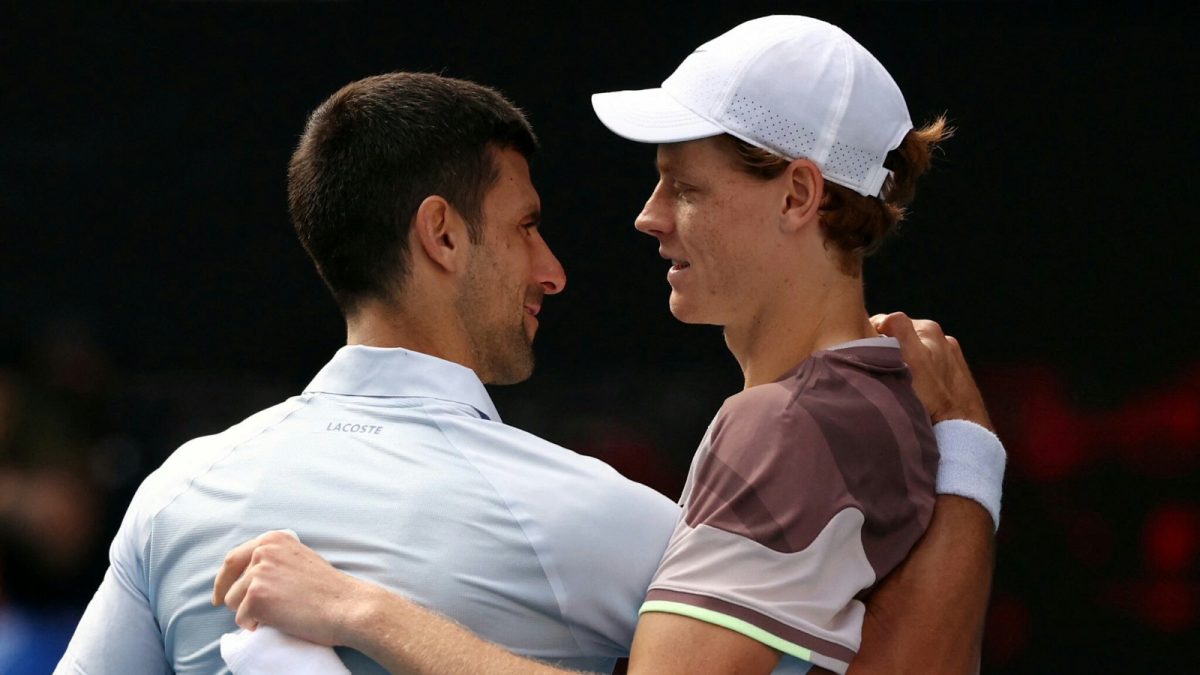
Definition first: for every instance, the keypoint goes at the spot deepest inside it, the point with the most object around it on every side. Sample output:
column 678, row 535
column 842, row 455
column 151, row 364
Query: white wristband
column 972, row 464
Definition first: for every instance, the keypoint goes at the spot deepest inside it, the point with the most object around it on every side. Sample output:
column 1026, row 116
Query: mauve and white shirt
column 804, row 494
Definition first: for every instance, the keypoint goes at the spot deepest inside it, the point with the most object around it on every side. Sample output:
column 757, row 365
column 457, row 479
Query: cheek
column 711, row 235
column 732, row 254
column 524, row 265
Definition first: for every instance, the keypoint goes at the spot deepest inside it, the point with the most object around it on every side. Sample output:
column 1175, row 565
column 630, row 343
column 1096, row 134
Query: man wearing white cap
column 786, row 155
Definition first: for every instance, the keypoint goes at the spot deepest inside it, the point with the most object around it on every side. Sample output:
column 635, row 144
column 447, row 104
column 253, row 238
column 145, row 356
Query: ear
column 440, row 232
column 805, row 191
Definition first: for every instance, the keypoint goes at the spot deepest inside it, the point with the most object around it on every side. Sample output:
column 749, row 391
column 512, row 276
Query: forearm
column 406, row 638
column 928, row 616
column 277, row 581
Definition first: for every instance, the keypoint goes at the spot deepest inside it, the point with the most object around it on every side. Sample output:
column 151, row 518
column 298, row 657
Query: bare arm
column 665, row 644
column 928, row 615
column 388, row 632
column 275, row 580
column 287, row 585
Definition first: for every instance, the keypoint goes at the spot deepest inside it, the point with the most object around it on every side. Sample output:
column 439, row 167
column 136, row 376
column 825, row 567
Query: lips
column 532, row 310
column 676, row 263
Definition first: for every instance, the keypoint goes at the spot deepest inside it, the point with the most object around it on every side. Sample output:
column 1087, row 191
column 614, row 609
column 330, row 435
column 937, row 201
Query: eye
column 683, row 190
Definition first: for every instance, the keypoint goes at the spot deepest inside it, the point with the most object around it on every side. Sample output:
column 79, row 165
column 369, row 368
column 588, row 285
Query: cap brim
column 651, row 116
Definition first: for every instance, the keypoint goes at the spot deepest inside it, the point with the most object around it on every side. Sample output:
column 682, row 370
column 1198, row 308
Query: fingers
column 237, row 560
column 941, row 376
column 904, row 329
column 896, row 324
column 235, row 563
column 243, row 619
column 956, row 350
column 244, row 594
column 919, row 338
column 929, row 330
column 233, row 597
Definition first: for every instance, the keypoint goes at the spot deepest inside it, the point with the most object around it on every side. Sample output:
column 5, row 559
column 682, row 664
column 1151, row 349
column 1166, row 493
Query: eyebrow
column 672, row 167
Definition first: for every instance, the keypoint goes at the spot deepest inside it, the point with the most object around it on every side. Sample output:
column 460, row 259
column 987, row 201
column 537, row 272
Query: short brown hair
column 373, row 151
column 852, row 223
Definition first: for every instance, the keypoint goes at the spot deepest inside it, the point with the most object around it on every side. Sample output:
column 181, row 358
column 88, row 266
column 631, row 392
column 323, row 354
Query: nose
column 548, row 272
column 655, row 218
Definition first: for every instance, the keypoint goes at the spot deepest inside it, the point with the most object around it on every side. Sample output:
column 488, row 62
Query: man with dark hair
column 412, row 195
column 370, row 157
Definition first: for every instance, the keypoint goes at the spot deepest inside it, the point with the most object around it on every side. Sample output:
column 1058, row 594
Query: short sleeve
column 597, row 537
column 620, row 539
column 775, row 542
column 118, row 632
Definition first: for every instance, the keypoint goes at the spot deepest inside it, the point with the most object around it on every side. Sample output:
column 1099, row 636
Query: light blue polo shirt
column 394, row 466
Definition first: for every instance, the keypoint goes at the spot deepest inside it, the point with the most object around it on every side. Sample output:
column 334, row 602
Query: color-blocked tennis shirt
column 803, row 494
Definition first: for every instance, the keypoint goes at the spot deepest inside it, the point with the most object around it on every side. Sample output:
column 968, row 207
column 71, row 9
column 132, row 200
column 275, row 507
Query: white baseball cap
column 792, row 85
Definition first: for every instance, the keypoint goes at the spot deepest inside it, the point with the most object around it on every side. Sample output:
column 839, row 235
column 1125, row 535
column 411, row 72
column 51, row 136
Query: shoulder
column 550, row 483
column 833, row 404
column 770, row 426
column 836, row 433
column 199, row 454
column 584, row 519
column 851, row 384
column 494, row 447
column 824, row 386
column 193, row 458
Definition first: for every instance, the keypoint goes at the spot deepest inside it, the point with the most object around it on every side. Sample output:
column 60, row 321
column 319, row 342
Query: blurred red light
column 1171, row 540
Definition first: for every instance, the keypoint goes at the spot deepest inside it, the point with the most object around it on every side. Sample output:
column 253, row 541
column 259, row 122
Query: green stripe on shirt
column 725, row 621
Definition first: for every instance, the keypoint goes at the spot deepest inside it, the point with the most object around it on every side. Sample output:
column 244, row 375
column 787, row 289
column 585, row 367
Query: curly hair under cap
column 852, row 223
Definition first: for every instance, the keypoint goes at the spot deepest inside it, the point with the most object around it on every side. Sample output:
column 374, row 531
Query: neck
column 821, row 313
column 409, row 324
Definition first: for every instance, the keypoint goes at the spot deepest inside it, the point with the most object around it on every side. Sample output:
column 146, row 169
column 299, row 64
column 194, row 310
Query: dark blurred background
column 151, row 289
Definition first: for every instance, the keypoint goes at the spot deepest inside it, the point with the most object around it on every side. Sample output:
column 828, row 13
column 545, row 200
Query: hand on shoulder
column 940, row 374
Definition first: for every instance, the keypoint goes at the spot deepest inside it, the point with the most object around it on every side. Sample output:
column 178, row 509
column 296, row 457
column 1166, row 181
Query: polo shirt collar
column 358, row 370
column 881, row 341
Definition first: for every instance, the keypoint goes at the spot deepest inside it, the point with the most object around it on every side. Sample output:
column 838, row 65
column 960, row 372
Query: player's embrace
column 785, row 156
